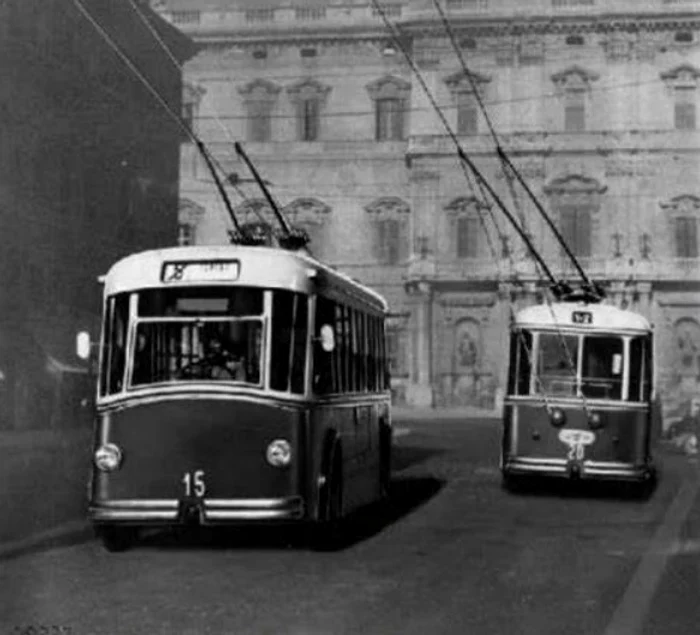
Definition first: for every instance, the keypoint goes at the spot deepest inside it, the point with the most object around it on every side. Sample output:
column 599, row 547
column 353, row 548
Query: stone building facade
column 89, row 169
column 595, row 102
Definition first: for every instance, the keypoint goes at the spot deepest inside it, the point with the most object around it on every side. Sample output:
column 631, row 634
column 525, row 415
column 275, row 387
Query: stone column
column 420, row 390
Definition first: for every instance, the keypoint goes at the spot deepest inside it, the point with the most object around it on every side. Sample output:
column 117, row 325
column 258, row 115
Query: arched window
column 684, row 217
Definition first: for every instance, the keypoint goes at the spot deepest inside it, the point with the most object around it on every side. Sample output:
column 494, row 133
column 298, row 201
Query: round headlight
column 108, row 457
column 558, row 417
column 279, row 453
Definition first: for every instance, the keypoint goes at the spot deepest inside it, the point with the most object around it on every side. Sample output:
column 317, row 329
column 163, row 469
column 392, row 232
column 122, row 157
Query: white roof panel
column 602, row 317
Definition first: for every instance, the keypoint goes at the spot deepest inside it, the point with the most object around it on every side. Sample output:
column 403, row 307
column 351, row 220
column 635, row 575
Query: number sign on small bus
column 201, row 271
column 582, row 317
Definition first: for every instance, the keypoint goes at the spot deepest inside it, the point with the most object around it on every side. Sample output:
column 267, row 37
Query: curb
column 67, row 533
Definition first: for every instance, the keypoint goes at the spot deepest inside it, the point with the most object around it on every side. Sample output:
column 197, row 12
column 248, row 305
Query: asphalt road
column 451, row 553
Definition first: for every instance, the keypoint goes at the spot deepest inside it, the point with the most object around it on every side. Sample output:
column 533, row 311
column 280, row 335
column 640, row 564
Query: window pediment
column 189, row 212
column 260, row 89
column 683, row 75
column 573, row 78
column 307, row 210
column 575, row 183
column 575, row 189
column 459, row 82
column 255, row 211
column 388, row 87
column 463, row 206
column 388, row 206
column 685, row 204
column 308, row 89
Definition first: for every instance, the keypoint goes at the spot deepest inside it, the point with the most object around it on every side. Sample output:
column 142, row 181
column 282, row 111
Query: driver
column 224, row 361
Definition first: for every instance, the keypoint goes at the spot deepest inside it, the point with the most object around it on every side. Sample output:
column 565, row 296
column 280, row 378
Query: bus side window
column 115, row 336
column 640, row 369
column 520, row 355
column 289, row 313
column 324, row 370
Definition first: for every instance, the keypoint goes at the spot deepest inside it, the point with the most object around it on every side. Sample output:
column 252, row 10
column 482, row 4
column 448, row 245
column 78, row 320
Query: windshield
column 207, row 333
column 225, row 350
column 557, row 361
column 601, row 365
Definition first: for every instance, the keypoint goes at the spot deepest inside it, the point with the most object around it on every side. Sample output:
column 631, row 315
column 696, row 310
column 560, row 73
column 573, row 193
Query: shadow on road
column 407, row 494
column 404, row 456
column 599, row 490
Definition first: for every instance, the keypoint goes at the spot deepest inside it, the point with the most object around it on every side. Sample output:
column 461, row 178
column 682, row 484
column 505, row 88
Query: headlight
column 279, row 453
column 108, row 457
column 558, row 417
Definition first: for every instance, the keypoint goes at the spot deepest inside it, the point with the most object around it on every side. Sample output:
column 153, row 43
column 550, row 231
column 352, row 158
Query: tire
column 512, row 484
column 384, row 461
column 117, row 539
column 327, row 532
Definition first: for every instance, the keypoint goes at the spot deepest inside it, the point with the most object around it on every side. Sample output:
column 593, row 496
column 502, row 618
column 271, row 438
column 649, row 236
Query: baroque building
column 595, row 102
column 89, row 167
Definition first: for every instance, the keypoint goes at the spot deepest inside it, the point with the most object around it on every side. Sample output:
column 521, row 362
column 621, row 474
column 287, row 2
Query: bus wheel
column 512, row 484
column 384, row 461
column 327, row 532
column 115, row 539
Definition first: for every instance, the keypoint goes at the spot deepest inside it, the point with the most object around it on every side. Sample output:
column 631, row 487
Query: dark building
column 89, row 167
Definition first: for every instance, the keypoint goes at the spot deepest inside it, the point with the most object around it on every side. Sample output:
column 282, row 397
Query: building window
column 396, row 352
column 390, row 96
column 575, row 40
column 309, row 112
column 685, row 108
column 309, row 97
column 259, row 97
column 462, row 87
column 390, row 222
column 467, row 114
column 575, row 111
column 186, row 234
column 686, row 237
column 389, row 119
column 467, row 236
column 573, row 86
column 575, row 228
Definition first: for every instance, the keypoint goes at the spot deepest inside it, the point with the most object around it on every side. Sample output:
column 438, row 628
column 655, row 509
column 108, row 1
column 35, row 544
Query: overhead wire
column 508, row 167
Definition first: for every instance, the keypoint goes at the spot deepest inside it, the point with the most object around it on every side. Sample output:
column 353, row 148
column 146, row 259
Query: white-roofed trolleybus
column 580, row 394
column 237, row 384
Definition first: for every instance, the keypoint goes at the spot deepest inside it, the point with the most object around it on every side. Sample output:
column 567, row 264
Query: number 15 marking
column 194, row 483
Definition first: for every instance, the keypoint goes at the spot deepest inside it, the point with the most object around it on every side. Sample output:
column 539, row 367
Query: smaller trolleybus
column 237, row 384
column 580, row 394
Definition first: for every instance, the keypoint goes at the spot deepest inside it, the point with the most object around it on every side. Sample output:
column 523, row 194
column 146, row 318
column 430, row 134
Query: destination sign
column 201, row 271
column 582, row 317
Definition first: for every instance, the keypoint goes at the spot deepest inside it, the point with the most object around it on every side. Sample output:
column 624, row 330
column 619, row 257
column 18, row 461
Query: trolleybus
column 580, row 395
column 237, row 384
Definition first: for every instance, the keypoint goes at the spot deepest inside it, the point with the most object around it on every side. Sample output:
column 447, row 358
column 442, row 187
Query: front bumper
column 204, row 512
column 585, row 470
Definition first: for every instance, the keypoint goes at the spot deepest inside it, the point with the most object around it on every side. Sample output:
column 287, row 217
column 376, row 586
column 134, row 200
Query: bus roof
column 266, row 267
column 594, row 317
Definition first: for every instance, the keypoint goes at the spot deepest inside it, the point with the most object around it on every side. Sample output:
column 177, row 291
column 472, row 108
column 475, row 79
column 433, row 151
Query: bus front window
column 198, row 335
column 557, row 359
column 602, row 367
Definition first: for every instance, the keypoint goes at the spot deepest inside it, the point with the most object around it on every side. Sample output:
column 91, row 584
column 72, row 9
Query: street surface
column 452, row 553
